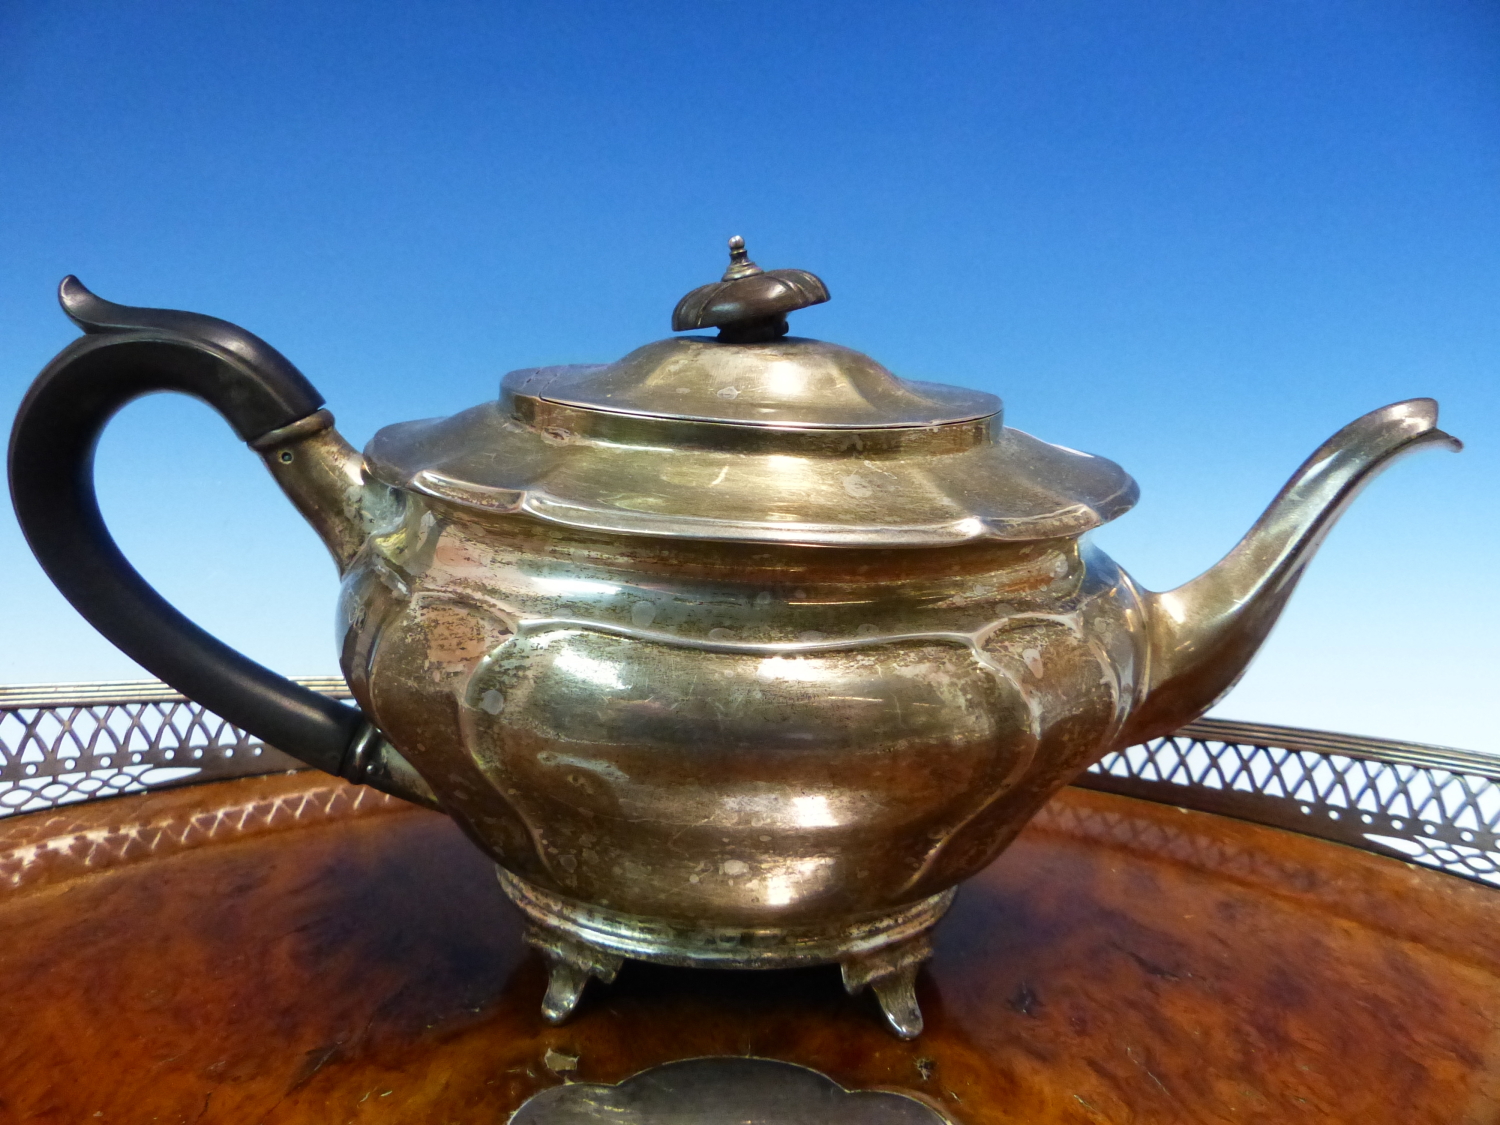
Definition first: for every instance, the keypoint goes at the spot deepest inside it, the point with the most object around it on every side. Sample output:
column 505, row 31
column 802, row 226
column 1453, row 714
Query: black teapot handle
column 129, row 352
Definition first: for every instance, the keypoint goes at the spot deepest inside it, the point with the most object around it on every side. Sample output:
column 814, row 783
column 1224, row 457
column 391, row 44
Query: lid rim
column 1015, row 488
column 786, row 427
column 539, row 505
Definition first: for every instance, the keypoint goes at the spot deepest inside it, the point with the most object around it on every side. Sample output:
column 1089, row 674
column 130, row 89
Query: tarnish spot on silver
column 725, row 1091
column 590, row 765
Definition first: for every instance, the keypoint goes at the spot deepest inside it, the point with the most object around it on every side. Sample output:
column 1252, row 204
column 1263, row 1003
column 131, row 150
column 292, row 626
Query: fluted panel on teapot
column 740, row 785
column 408, row 659
column 1077, row 669
column 686, row 733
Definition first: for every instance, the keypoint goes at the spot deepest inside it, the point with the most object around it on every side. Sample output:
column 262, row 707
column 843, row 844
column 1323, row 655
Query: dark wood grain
column 284, row 950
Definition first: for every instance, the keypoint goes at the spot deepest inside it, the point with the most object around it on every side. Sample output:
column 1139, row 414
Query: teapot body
column 758, row 735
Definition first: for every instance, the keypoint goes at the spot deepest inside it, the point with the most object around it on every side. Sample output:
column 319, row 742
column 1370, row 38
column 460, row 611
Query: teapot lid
column 753, row 436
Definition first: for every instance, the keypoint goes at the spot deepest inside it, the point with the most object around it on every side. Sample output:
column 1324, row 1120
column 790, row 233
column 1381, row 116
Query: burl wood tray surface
column 288, row 949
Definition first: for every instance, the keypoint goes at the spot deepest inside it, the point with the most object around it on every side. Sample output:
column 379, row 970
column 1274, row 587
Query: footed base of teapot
column 582, row 942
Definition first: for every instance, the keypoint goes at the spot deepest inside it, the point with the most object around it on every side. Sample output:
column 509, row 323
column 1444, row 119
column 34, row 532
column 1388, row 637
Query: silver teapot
column 739, row 651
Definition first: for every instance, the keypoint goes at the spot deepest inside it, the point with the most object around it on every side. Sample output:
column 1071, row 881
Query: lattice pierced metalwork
column 1425, row 804
column 61, row 743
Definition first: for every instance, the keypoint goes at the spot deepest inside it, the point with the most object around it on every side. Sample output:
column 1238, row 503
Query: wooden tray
column 288, row 949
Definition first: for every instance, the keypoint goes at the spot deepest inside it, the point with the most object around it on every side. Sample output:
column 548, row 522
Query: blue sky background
column 1196, row 237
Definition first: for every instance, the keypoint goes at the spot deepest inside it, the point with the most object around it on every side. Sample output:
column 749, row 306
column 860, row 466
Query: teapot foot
column 891, row 973
column 571, row 963
column 882, row 951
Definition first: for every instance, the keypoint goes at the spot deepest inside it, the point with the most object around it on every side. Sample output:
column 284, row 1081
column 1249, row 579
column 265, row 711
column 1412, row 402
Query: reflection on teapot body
column 740, row 651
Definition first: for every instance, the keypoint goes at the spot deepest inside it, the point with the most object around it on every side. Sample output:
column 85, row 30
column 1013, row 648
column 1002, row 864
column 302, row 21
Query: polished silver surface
column 792, row 383
column 725, row 1091
column 935, row 486
column 725, row 947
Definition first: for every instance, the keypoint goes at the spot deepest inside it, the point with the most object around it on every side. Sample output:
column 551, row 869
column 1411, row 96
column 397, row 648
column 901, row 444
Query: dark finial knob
column 740, row 264
column 749, row 304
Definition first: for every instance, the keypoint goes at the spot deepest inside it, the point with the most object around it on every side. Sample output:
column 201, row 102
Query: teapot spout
column 1202, row 635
